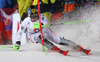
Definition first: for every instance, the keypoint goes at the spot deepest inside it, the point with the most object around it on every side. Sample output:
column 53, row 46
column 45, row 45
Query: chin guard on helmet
column 34, row 15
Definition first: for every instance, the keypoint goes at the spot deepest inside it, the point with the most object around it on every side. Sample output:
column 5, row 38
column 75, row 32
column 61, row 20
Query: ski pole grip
column 36, row 25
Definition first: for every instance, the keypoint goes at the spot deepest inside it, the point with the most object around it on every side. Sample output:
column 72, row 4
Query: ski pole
column 36, row 25
column 6, row 47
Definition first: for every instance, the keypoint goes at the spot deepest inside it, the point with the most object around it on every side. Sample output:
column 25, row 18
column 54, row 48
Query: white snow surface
column 86, row 34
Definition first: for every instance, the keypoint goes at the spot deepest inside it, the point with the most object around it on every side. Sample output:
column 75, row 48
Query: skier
column 48, row 35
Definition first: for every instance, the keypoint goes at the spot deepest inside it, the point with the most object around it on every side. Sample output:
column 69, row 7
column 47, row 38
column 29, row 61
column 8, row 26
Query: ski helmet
column 34, row 13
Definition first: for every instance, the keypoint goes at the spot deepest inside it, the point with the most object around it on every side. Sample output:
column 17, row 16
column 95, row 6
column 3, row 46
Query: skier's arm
column 19, row 35
column 21, row 30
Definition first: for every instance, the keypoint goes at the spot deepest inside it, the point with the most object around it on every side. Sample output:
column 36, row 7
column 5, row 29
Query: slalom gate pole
column 41, row 27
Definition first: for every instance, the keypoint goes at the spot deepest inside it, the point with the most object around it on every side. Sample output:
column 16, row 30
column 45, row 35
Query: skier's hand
column 37, row 25
column 16, row 46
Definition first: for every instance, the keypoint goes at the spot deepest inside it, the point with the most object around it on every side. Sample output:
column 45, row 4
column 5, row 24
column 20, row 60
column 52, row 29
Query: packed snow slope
column 86, row 34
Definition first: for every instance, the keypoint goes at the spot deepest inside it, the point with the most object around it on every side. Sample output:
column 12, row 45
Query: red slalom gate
column 41, row 27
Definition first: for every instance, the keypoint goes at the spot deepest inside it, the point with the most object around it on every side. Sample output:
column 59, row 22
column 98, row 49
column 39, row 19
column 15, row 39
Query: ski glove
column 17, row 45
column 37, row 25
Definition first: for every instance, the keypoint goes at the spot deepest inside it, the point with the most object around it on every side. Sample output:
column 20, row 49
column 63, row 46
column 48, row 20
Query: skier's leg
column 51, row 46
column 68, row 43
column 73, row 45
column 50, row 35
column 47, row 44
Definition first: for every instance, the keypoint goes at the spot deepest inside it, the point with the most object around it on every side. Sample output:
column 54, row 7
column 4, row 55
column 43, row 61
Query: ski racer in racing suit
column 34, row 35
